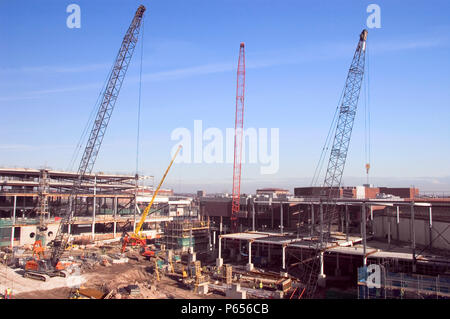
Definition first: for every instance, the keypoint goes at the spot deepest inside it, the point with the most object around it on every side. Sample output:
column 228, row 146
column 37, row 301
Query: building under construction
column 111, row 205
column 127, row 239
column 406, row 235
column 185, row 235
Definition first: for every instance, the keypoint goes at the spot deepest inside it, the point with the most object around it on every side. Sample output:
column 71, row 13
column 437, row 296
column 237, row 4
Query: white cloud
column 321, row 51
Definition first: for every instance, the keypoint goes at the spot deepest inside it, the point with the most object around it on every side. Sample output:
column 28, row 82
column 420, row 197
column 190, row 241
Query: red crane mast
column 238, row 134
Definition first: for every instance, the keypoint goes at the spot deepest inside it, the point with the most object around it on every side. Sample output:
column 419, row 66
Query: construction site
column 89, row 235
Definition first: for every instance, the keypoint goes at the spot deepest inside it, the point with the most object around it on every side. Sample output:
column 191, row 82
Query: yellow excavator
column 137, row 238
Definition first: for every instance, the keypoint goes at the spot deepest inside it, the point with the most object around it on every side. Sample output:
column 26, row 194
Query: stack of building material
column 134, row 290
column 284, row 284
column 91, row 293
column 228, row 274
column 235, row 292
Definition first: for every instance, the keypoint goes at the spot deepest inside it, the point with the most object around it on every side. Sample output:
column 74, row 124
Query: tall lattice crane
column 105, row 110
column 338, row 157
column 238, row 133
column 344, row 128
column 106, row 106
column 347, row 113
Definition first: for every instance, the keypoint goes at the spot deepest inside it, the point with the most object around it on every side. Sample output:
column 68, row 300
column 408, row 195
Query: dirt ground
column 113, row 278
column 12, row 278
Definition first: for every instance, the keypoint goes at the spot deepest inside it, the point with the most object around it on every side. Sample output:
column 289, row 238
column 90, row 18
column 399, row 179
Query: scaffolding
column 404, row 286
column 183, row 235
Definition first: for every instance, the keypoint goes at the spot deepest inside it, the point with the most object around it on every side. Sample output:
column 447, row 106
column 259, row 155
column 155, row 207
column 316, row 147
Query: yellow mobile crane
column 137, row 238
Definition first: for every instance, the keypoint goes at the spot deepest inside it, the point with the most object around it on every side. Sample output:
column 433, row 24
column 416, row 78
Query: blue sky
column 297, row 55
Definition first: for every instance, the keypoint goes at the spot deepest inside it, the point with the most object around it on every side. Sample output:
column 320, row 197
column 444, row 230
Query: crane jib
column 109, row 97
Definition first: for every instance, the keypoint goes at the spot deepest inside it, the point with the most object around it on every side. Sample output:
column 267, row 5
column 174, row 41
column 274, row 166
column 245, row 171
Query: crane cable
column 139, row 102
column 367, row 119
column 88, row 125
column 327, row 144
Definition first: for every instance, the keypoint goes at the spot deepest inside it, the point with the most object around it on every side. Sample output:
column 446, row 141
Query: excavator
column 137, row 238
column 38, row 267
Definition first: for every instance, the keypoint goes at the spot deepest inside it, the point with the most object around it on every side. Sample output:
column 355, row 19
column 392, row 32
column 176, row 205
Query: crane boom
column 149, row 206
column 110, row 94
column 344, row 128
column 109, row 98
column 347, row 113
column 238, row 132
column 338, row 156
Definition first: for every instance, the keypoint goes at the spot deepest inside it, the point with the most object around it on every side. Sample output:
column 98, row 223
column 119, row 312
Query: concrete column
column 219, row 260
column 13, row 228
column 271, row 210
column 321, row 264
column 389, row 231
column 281, row 218
column 115, row 216
column 413, row 237
column 214, row 240
column 371, row 219
column 283, row 268
column 398, row 214
column 312, row 219
column 253, row 216
column 288, row 215
column 321, row 225
column 94, row 208
column 209, row 240
column 239, row 256
column 321, row 281
column 337, row 271
column 220, row 226
column 431, row 228
column 192, row 257
column 364, row 238
column 249, row 265
column 346, row 222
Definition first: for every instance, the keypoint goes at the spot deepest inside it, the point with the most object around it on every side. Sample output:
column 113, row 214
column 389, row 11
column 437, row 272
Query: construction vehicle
column 137, row 238
column 43, row 269
column 148, row 251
